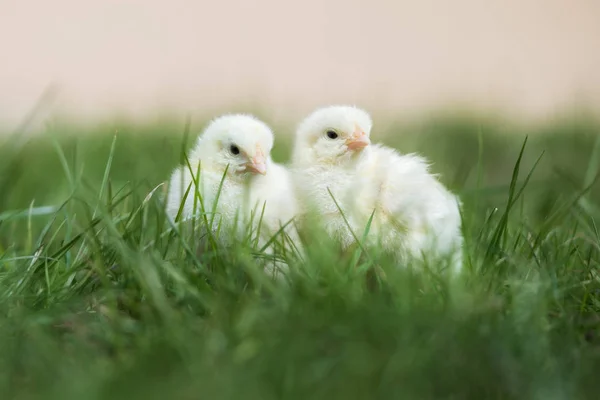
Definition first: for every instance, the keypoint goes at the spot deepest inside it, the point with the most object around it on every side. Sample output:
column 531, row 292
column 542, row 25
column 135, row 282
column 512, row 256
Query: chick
column 234, row 151
column 414, row 215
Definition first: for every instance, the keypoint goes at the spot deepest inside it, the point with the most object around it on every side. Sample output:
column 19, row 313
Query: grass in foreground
column 101, row 297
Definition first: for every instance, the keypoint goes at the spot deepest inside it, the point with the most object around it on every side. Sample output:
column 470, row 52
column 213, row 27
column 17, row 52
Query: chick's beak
column 257, row 164
column 359, row 140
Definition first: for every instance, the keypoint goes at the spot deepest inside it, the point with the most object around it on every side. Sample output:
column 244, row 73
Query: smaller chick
column 413, row 213
column 237, row 146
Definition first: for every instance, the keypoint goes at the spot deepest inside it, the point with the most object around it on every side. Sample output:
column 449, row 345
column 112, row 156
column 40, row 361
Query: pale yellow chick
column 241, row 145
column 414, row 214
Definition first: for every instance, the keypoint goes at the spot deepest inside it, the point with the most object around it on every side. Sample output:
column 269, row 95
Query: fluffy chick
column 238, row 146
column 413, row 213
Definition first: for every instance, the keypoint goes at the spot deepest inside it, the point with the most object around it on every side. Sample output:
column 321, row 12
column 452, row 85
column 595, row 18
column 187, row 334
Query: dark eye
column 234, row 150
column 332, row 134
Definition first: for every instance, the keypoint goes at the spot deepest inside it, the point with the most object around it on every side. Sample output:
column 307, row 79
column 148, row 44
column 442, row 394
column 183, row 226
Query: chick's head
column 332, row 135
column 239, row 141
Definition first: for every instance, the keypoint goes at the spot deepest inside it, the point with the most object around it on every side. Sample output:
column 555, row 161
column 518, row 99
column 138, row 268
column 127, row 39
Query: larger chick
column 234, row 151
column 413, row 213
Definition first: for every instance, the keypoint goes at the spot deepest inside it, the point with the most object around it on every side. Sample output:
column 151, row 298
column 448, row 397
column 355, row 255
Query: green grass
column 100, row 297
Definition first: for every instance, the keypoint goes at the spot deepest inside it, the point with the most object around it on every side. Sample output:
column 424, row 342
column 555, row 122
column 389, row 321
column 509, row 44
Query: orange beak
column 359, row 140
column 257, row 164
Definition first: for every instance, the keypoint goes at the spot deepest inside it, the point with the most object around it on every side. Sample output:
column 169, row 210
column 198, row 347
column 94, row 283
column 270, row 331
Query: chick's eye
column 332, row 134
column 234, row 150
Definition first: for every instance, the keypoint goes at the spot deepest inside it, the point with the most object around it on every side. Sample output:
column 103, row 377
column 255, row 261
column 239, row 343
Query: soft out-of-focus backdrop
column 527, row 57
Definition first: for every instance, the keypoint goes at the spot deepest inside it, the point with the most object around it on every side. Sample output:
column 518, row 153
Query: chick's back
column 412, row 207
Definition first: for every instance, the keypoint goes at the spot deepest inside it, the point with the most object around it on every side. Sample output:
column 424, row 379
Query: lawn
column 102, row 298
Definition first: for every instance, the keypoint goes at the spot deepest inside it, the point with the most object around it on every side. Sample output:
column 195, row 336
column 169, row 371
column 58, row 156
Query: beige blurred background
column 526, row 57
